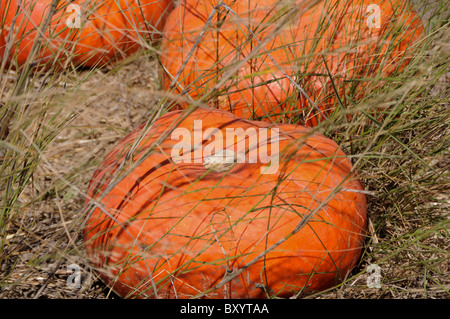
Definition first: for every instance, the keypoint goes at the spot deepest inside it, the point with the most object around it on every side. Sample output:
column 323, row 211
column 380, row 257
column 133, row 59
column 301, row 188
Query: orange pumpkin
column 91, row 33
column 221, row 220
column 253, row 59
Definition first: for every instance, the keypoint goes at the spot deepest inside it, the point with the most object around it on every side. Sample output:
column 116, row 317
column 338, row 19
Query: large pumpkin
column 90, row 32
column 222, row 220
column 245, row 54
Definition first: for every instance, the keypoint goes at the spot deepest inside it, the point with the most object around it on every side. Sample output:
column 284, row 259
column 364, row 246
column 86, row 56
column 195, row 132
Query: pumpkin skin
column 25, row 29
column 110, row 29
column 171, row 229
column 258, row 87
column 2, row 44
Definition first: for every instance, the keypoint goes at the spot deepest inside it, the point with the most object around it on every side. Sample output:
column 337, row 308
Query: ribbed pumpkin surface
column 170, row 229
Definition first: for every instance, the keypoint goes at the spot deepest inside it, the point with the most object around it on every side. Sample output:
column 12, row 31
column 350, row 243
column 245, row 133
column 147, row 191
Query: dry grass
column 64, row 124
column 40, row 238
